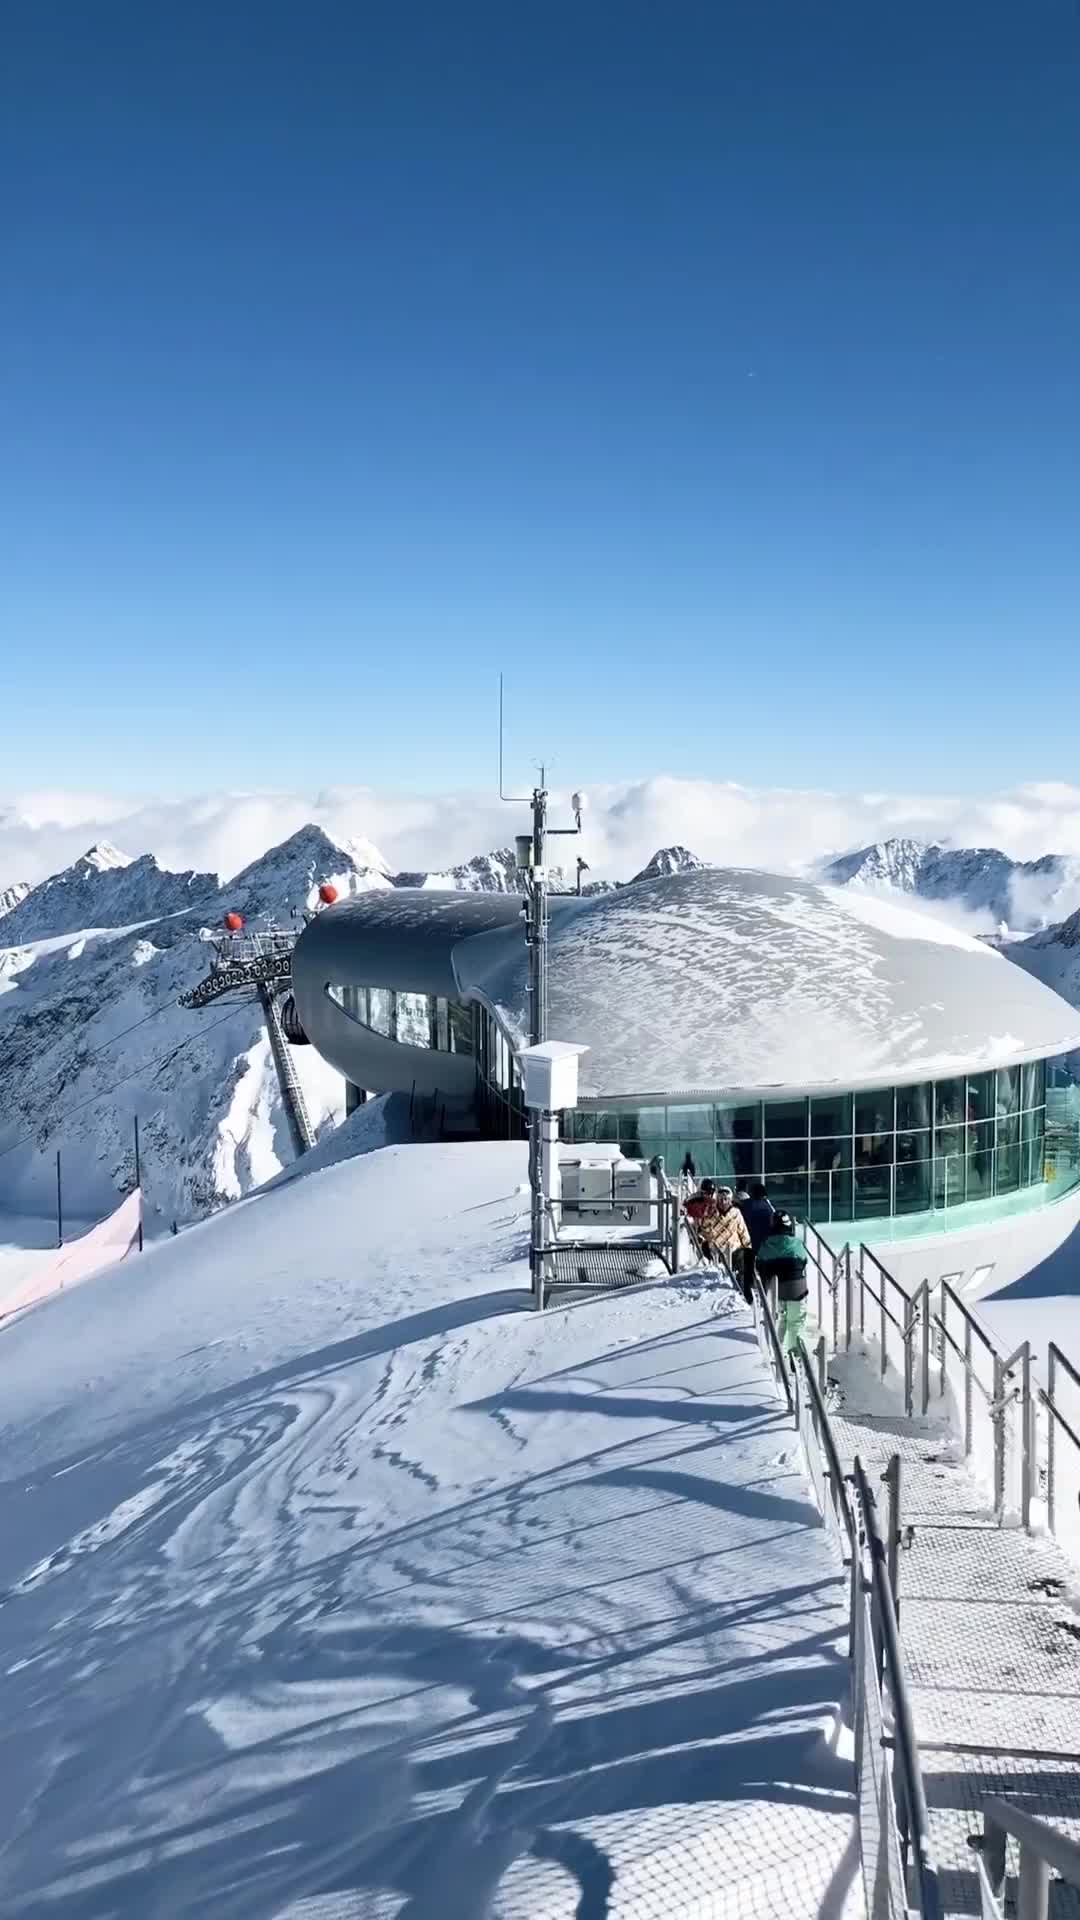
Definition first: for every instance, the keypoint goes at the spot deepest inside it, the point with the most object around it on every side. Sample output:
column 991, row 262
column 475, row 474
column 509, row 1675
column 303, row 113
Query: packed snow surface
column 336, row 1582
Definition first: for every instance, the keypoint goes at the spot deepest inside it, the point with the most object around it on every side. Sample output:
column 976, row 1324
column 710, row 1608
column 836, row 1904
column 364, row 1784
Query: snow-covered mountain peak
column 103, row 888
column 102, row 857
column 890, row 863
column 668, row 860
column 1022, row 894
column 494, row 872
column 287, row 875
column 11, row 896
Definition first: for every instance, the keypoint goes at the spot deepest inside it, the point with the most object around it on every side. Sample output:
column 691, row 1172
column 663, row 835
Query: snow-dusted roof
column 726, row 983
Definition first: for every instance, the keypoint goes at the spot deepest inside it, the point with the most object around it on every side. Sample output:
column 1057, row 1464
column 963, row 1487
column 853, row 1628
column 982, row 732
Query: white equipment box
column 587, row 1186
column 634, row 1190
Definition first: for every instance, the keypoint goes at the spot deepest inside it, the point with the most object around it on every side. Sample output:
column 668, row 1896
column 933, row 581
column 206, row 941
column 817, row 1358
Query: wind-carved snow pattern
column 730, row 981
column 325, row 1564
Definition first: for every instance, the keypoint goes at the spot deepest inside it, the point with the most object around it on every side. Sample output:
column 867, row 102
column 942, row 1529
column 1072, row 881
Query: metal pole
column 998, row 1417
column 925, row 1348
column 1033, row 1886
column 537, row 938
column 1027, row 1446
column 918, row 1820
column 994, row 1850
column 891, row 1477
column 835, row 1308
column 59, row 1204
column 138, row 1180
column 884, row 1330
column 822, row 1367
column 847, row 1302
column 969, row 1410
column 1051, row 1438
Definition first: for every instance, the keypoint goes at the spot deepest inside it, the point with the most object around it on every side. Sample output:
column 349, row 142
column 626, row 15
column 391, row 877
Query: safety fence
column 615, row 1246
column 898, row 1871
column 1021, row 1436
column 1041, row 1849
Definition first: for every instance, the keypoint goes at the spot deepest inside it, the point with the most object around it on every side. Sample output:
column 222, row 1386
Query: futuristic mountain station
column 868, row 1062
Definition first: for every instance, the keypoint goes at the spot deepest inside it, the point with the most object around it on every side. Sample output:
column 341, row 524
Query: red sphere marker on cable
column 234, row 922
column 328, row 893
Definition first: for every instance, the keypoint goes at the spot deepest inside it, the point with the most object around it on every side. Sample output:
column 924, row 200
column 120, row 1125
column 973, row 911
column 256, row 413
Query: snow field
column 334, row 1581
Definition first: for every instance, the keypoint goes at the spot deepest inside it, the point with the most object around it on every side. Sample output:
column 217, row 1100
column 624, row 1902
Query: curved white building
column 861, row 1057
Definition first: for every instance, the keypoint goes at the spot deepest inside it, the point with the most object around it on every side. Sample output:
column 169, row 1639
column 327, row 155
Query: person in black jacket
column 782, row 1257
column 758, row 1212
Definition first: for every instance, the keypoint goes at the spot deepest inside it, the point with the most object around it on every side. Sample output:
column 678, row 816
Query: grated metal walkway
column 991, row 1641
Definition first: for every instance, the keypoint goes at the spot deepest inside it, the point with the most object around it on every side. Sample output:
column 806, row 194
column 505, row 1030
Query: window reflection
column 846, row 1157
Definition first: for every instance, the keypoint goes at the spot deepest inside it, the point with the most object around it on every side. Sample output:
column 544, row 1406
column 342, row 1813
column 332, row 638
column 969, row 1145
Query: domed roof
column 733, row 983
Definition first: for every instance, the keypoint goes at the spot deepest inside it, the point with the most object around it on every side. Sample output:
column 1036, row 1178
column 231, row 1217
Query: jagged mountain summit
column 103, row 888
column 670, row 860
column 285, row 876
column 1023, row 894
column 495, row 872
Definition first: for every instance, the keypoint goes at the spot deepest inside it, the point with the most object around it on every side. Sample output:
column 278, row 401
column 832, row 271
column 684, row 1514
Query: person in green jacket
column 782, row 1257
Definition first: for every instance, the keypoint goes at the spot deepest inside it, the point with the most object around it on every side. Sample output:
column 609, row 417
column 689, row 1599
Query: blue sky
column 714, row 369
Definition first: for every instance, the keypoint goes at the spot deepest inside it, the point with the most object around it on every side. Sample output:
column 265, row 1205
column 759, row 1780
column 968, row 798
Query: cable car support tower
column 258, row 965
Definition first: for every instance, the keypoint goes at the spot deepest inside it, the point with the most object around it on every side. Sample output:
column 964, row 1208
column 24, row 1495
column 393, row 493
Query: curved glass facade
column 498, row 1081
column 886, row 1152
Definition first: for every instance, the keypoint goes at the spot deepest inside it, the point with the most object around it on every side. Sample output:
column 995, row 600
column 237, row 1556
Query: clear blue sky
column 724, row 357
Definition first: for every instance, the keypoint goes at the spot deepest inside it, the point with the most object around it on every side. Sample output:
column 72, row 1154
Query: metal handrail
column 1055, row 1352
column 779, row 1365
column 1041, row 1847
column 1059, row 1416
column 823, row 1426
column 906, row 1746
column 976, row 1325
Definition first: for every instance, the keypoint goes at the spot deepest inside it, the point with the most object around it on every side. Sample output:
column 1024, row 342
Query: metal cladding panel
column 403, row 938
column 737, row 984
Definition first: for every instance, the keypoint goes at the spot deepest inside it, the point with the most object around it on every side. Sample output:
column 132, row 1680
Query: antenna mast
column 532, row 864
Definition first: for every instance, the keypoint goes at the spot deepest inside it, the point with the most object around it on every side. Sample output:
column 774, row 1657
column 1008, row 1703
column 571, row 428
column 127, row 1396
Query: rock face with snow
column 1022, row 893
column 11, row 896
column 670, row 860
column 91, row 1035
column 105, row 888
column 495, row 872
column 485, row 873
column 286, row 876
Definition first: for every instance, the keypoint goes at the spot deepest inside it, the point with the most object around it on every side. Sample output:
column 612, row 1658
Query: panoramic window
column 409, row 1019
column 871, row 1154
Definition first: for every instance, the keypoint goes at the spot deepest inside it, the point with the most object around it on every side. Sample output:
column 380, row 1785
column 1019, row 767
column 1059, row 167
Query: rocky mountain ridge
column 1022, row 894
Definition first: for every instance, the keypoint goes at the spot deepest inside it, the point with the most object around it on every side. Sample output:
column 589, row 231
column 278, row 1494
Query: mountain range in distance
column 95, row 959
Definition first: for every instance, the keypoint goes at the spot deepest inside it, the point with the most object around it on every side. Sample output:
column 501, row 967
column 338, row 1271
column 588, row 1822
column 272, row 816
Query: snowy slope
column 337, row 1583
column 91, row 1035
column 1022, row 893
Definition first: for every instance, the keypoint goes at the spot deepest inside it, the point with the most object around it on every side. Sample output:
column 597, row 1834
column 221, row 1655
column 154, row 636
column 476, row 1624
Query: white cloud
column 767, row 827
